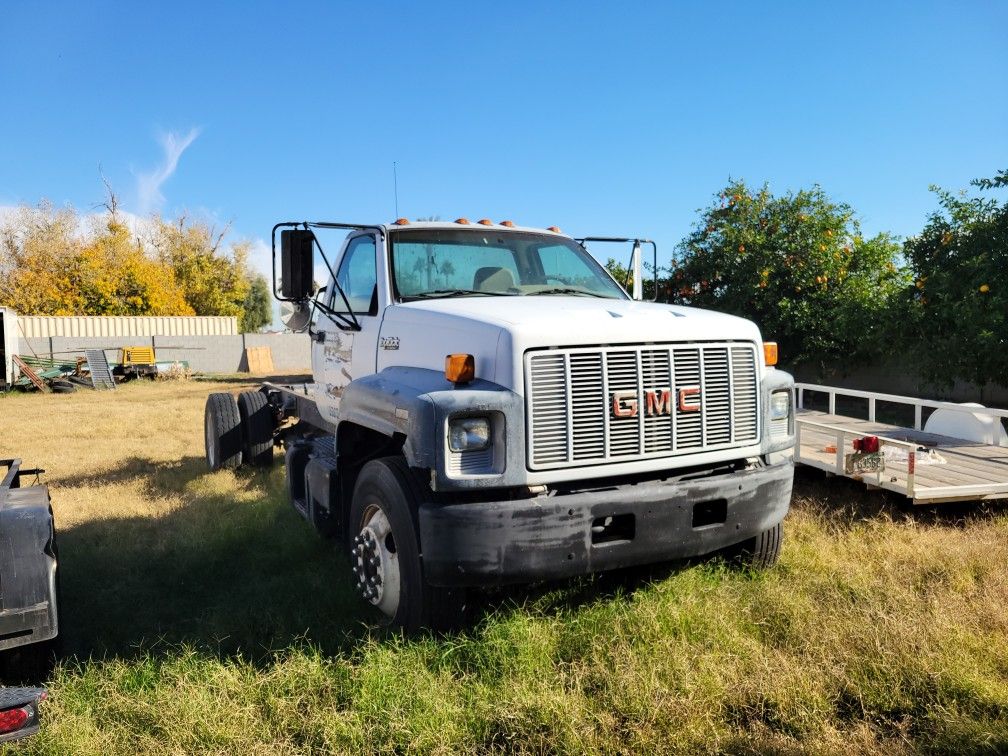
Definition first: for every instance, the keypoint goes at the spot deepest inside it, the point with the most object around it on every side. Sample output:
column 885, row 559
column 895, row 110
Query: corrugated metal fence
column 90, row 326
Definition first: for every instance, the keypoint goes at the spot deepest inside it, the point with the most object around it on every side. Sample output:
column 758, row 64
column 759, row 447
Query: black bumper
column 557, row 536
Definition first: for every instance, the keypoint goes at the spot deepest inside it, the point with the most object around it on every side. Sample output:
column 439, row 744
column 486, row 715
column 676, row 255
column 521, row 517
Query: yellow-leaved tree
column 39, row 247
column 212, row 281
column 56, row 262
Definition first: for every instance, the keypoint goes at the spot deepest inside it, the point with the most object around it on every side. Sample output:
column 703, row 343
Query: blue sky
column 600, row 118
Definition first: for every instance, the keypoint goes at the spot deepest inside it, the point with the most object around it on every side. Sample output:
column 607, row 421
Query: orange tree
column 958, row 301
column 799, row 266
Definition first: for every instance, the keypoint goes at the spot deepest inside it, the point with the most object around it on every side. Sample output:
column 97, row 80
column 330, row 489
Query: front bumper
column 561, row 535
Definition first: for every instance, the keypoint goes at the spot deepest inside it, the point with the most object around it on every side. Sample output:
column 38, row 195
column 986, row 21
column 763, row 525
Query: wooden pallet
column 259, row 360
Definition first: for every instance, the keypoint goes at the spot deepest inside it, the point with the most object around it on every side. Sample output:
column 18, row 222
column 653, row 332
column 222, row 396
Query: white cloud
column 149, row 184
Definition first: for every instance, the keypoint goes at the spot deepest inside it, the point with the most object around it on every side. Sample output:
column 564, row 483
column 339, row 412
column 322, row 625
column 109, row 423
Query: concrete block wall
column 205, row 354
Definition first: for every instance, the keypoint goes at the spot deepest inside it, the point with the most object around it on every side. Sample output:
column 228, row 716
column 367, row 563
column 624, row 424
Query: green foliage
column 258, row 307
column 212, row 282
column 624, row 277
column 798, row 265
column 958, row 303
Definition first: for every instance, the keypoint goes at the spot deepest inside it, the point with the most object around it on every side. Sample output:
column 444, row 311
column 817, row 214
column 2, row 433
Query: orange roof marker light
column 485, row 222
column 554, row 229
column 460, row 368
column 506, row 224
column 402, row 222
column 770, row 353
column 462, row 221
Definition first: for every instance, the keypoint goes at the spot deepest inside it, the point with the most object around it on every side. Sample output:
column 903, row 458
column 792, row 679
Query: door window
column 358, row 278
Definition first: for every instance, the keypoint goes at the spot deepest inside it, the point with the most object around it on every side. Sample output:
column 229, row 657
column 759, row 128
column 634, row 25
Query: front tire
column 761, row 551
column 385, row 549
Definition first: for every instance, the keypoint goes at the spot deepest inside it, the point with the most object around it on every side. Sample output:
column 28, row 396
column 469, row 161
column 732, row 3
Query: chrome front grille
column 688, row 398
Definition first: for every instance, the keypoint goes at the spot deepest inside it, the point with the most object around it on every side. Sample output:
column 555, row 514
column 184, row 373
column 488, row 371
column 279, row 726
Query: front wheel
column 760, row 551
column 385, row 550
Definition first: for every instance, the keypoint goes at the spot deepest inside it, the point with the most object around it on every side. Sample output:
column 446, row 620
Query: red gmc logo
column 656, row 402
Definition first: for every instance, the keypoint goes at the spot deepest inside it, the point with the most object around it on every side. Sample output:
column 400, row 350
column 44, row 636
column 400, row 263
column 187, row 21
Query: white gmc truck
column 489, row 406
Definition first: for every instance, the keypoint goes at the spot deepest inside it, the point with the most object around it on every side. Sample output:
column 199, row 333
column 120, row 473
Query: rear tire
column 383, row 526
column 222, row 432
column 256, row 417
column 761, row 551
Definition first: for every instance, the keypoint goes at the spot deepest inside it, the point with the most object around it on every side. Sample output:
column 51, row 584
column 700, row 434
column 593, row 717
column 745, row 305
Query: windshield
column 431, row 263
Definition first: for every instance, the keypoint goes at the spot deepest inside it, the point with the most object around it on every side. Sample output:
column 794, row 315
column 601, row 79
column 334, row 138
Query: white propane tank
column 969, row 426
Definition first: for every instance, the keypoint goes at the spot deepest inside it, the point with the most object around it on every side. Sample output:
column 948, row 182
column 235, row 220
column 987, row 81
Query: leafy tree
column 958, row 302
column 212, row 282
column 38, row 246
column 54, row 262
column 49, row 267
column 799, row 266
column 258, row 307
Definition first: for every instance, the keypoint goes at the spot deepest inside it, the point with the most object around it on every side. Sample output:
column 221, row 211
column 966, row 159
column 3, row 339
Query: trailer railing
column 838, row 467
column 873, row 397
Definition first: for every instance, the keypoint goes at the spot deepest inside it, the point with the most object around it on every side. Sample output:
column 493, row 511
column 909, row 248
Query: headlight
column 468, row 434
column 780, row 404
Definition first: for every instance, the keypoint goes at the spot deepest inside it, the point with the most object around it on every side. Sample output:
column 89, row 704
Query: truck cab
column 489, row 406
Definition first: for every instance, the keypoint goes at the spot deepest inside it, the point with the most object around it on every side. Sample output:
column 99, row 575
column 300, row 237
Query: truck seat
column 493, row 278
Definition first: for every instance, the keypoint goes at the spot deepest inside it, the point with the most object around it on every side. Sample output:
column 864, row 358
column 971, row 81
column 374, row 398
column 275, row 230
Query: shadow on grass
column 843, row 503
column 233, row 571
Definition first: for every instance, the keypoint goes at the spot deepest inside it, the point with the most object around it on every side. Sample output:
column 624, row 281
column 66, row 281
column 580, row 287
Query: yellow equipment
column 136, row 355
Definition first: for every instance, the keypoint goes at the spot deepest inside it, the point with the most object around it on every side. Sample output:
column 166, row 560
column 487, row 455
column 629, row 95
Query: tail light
column 19, row 712
column 867, row 445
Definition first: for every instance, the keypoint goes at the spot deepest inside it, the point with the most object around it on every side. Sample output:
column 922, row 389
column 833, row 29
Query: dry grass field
column 200, row 615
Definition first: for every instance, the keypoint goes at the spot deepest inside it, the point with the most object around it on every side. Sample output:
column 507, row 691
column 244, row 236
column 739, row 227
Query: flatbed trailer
column 925, row 467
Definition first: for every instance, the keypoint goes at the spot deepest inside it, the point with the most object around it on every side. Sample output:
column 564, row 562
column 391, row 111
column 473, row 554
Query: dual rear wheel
column 238, row 431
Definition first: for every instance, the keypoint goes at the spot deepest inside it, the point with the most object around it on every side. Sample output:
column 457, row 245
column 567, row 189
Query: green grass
column 201, row 615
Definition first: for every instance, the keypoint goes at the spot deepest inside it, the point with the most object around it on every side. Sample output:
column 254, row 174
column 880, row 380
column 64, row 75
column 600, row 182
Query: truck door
column 340, row 354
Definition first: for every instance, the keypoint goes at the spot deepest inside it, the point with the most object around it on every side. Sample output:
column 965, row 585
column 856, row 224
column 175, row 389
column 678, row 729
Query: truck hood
column 498, row 330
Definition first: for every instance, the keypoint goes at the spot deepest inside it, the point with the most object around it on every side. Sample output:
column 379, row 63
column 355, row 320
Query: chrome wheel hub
column 376, row 563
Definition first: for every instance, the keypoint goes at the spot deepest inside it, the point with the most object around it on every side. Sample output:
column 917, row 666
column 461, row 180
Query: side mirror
column 295, row 315
column 297, row 258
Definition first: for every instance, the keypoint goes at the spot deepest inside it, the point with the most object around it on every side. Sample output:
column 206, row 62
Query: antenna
column 395, row 188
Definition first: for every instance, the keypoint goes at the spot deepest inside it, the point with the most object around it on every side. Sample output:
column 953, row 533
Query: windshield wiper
column 445, row 293
column 561, row 290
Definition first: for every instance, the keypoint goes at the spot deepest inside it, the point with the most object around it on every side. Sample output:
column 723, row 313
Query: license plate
column 864, row 463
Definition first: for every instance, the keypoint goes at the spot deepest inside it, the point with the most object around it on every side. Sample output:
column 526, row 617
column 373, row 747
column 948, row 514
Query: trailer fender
column 27, row 567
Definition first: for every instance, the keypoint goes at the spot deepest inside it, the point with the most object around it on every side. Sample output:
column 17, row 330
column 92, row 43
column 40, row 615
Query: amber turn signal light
column 770, row 352
column 462, row 221
column 402, row 222
column 554, row 229
column 485, row 222
column 460, row 368
column 507, row 224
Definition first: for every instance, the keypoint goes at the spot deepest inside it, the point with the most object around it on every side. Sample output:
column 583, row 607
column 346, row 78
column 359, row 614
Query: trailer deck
column 925, row 467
